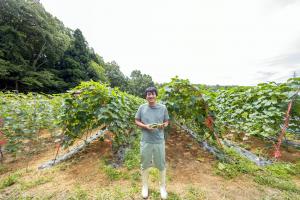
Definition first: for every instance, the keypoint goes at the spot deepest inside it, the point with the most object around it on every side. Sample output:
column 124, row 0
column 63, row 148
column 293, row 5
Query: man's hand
column 163, row 125
column 160, row 126
column 149, row 127
column 142, row 125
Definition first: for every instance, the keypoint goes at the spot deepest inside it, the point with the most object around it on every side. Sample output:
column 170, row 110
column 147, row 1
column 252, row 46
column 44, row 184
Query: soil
column 188, row 166
column 266, row 148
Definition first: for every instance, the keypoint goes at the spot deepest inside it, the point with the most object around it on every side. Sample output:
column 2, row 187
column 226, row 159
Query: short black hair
column 152, row 90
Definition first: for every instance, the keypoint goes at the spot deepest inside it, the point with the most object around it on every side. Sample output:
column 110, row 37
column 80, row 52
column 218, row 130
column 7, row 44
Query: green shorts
column 153, row 155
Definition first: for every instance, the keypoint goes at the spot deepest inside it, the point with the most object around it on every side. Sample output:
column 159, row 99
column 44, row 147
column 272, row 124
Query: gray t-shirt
column 149, row 115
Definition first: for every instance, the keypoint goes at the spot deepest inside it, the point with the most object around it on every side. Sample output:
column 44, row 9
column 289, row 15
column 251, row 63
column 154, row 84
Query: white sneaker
column 145, row 191
column 163, row 192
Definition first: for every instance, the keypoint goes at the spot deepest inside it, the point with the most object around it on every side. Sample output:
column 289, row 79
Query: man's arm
column 166, row 118
column 166, row 123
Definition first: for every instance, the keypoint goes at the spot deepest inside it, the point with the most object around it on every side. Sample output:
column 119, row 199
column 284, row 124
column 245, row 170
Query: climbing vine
column 23, row 116
column 254, row 110
column 92, row 105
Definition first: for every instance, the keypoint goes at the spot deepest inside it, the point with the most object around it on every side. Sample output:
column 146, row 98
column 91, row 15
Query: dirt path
column 190, row 176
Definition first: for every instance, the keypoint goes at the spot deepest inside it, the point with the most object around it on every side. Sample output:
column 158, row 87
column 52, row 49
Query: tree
column 97, row 72
column 115, row 76
column 138, row 83
column 31, row 42
column 37, row 53
column 73, row 67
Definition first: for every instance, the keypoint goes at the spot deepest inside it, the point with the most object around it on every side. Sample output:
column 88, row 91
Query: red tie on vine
column 209, row 121
column 277, row 152
column 2, row 138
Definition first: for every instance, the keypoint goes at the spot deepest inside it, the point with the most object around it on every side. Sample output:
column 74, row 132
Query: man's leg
column 146, row 158
column 160, row 163
column 163, row 191
column 145, row 175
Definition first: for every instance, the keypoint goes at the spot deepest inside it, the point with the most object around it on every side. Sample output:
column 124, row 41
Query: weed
column 132, row 156
column 113, row 173
column 3, row 169
column 79, row 194
column 36, row 182
column 10, row 179
column 277, row 175
column 275, row 182
column 195, row 194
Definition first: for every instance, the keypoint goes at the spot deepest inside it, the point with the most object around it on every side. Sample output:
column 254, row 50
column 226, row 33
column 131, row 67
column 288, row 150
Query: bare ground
column 190, row 172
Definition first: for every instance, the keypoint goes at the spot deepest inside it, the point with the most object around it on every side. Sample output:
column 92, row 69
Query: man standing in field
column 152, row 117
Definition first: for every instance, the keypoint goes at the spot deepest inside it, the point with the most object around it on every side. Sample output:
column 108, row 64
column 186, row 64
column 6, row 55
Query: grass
column 3, row 169
column 135, row 176
column 154, row 174
column 8, row 181
column 132, row 156
column 278, row 175
column 33, row 183
column 11, row 179
column 155, row 195
column 116, row 193
column 283, row 196
column 191, row 194
column 20, row 196
column 112, row 173
column 237, row 166
column 79, row 193
column 260, row 152
column 195, row 194
column 61, row 166
column 131, row 162
column 275, row 182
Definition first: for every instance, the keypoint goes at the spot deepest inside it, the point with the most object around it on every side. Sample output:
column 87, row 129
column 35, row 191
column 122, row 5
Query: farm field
column 235, row 143
column 221, row 89
column 192, row 174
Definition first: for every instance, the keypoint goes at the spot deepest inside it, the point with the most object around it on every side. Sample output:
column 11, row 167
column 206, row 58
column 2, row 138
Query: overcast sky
column 207, row 41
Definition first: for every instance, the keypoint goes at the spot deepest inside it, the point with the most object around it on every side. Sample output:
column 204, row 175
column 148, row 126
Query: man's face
column 151, row 97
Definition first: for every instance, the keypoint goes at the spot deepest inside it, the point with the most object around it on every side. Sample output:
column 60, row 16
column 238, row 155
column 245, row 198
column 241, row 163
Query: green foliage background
column 39, row 54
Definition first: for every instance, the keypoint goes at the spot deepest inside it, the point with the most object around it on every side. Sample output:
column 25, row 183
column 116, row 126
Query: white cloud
column 212, row 42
